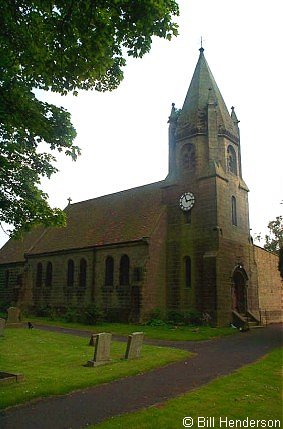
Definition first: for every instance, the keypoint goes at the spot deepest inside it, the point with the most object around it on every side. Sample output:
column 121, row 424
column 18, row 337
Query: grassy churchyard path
column 166, row 332
column 52, row 364
column 252, row 396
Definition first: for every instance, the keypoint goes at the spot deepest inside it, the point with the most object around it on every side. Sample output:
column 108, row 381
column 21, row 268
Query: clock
column 187, row 201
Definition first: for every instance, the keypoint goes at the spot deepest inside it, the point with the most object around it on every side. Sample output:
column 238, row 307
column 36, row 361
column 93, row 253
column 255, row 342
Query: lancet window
column 49, row 274
column 70, row 273
column 109, row 271
column 82, row 274
column 124, row 275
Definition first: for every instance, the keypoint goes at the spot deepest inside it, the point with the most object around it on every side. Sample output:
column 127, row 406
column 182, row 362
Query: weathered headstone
column 2, row 326
column 134, row 345
column 14, row 317
column 102, row 349
column 92, row 340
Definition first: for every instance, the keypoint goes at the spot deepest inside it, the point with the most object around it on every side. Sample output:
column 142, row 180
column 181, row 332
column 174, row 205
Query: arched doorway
column 239, row 290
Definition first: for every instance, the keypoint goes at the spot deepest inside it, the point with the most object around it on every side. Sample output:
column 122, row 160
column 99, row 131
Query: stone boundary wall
column 270, row 286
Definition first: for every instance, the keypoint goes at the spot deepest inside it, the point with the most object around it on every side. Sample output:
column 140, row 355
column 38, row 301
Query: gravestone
column 92, row 340
column 2, row 326
column 102, row 349
column 134, row 345
column 14, row 317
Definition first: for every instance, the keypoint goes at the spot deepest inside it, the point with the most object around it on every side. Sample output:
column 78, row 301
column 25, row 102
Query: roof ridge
column 115, row 193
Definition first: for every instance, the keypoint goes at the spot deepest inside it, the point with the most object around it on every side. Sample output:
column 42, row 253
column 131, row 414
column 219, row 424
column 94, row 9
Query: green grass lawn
column 52, row 364
column 177, row 333
column 254, row 391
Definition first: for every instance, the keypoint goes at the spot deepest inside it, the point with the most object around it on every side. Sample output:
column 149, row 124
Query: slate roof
column 13, row 251
column 202, row 88
column 121, row 217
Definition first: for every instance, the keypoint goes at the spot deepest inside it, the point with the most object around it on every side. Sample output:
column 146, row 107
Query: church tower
column 210, row 264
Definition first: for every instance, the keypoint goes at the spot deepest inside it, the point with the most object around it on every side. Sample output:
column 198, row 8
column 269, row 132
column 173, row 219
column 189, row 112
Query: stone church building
column 179, row 244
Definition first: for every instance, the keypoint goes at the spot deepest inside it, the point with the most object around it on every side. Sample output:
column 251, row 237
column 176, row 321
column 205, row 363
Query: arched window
column 234, row 210
column 188, row 272
column 82, row 275
column 231, row 160
column 109, row 271
column 124, row 276
column 7, row 278
column 38, row 281
column 188, row 157
column 70, row 273
column 48, row 279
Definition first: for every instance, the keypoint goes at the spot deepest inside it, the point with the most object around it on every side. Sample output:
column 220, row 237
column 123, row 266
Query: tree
column 60, row 46
column 274, row 240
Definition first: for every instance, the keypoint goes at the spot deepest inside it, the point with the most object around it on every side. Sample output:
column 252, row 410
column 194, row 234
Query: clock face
column 187, row 201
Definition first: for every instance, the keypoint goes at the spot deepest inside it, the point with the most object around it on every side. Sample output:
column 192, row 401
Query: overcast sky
column 123, row 134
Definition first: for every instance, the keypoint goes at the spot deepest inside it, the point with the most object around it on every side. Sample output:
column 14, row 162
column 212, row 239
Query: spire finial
column 201, row 48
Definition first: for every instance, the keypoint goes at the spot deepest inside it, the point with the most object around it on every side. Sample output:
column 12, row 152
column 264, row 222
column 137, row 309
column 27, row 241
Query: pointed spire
column 203, row 90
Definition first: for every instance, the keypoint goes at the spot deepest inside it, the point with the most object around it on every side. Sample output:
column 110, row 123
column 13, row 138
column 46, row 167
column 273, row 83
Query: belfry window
column 109, row 271
column 234, row 210
column 124, row 275
column 188, row 157
column 82, row 275
column 231, row 160
column 70, row 273
column 38, row 281
column 188, row 272
column 48, row 279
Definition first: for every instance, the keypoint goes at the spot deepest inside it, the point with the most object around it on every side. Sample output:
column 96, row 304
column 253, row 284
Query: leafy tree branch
column 62, row 46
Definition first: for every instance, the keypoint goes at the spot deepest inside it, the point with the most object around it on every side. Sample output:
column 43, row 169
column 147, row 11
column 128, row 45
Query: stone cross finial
column 69, row 200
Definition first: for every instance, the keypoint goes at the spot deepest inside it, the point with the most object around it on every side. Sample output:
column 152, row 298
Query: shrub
column 156, row 322
column 193, row 317
column 43, row 311
column 189, row 317
column 4, row 305
column 155, row 318
column 92, row 314
column 175, row 317
column 156, row 313
column 71, row 315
